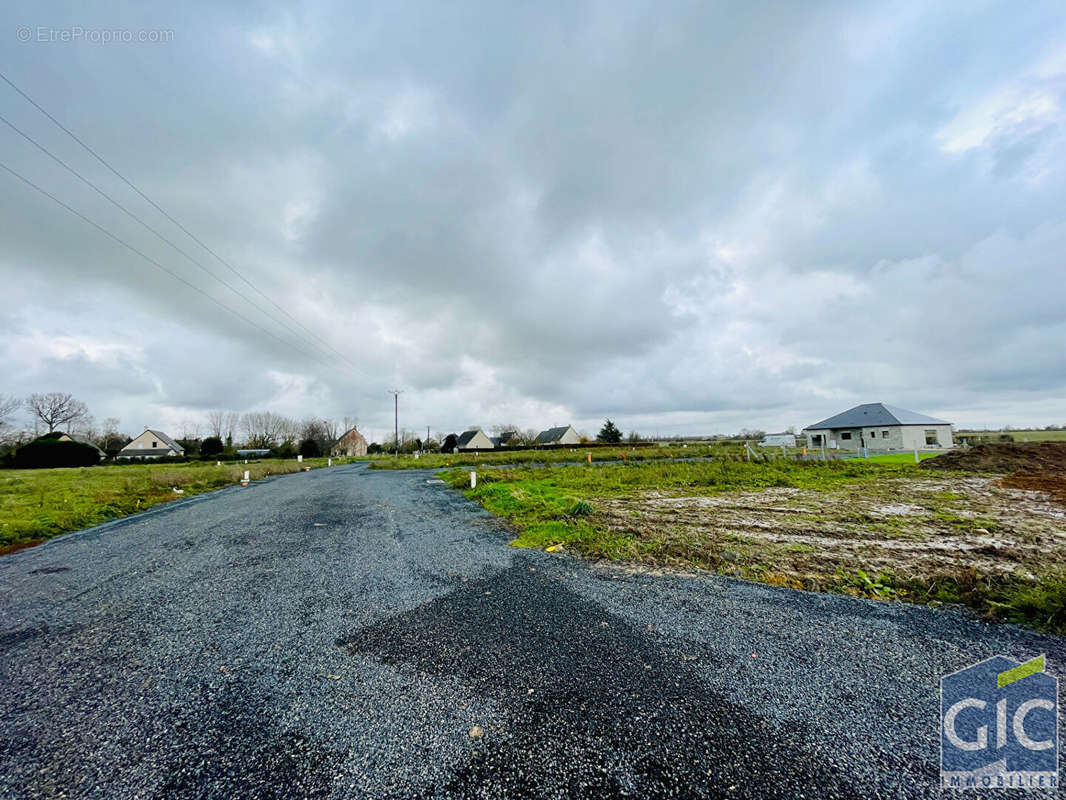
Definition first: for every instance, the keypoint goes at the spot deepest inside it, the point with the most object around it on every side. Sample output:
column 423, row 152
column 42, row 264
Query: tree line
column 214, row 433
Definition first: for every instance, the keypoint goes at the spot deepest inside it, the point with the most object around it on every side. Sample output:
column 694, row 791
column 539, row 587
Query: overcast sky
column 690, row 217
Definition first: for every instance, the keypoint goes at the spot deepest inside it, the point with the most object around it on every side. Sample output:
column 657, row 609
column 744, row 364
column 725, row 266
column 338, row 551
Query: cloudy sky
column 690, row 217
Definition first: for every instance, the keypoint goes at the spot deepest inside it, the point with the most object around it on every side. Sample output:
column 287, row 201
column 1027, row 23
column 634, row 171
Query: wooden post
column 589, row 457
column 916, row 454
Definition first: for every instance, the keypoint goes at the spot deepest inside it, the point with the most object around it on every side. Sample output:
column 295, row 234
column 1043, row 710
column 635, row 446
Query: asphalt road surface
column 350, row 633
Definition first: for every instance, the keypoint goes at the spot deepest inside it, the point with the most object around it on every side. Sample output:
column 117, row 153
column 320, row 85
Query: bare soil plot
column 912, row 529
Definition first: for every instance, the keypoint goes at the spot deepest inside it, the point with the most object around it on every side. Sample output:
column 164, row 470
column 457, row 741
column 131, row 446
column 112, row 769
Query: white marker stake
column 299, row 459
column 244, row 480
column 473, row 479
column 329, row 462
column 915, row 455
column 218, row 463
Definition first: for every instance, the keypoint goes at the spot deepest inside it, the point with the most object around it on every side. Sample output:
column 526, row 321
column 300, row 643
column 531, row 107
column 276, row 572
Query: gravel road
column 350, row 633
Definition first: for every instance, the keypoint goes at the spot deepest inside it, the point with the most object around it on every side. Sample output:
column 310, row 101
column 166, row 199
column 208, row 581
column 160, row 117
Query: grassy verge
column 552, row 506
column 899, row 458
column 561, row 456
column 854, row 533
column 38, row 504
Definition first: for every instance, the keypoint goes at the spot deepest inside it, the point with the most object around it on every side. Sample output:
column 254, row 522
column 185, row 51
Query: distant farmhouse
column 151, row 444
column 473, row 439
column 564, row 435
column 506, row 439
column 877, row 426
column 351, row 443
column 66, row 437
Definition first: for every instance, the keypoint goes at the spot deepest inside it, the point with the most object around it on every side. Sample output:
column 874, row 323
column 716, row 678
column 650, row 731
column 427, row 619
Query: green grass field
column 598, row 512
column 37, row 504
column 578, row 453
column 899, row 458
column 542, row 502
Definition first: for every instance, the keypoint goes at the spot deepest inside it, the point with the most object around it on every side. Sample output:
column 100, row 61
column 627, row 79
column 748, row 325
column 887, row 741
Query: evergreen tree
column 609, row 433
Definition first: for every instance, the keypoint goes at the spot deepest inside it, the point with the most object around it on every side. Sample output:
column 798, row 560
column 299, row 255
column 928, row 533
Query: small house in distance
column 877, row 426
column 351, row 443
column 506, row 439
column 778, row 440
column 473, row 439
column 151, row 444
column 563, row 435
column 66, row 437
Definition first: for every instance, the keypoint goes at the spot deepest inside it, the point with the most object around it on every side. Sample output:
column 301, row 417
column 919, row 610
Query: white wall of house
column 885, row 438
column 570, row 437
column 479, row 442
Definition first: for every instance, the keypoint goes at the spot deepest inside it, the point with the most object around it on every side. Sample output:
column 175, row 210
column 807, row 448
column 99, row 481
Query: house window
column 930, row 437
column 816, row 440
column 155, row 443
column 884, row 434
column 845, row 435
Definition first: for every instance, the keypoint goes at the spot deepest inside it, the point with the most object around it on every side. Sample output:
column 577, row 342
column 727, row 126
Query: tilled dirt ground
column 915, row 528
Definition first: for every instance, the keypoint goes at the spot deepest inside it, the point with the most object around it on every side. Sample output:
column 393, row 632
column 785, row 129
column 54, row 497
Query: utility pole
column 396, row 418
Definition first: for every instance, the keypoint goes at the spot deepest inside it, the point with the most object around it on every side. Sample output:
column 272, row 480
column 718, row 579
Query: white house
column 778, row 440
column 563, row 435
column 880, row 427
column 474, row 439
column 151, row 444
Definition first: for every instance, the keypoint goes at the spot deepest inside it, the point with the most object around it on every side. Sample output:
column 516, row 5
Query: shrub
column 284, row 450
column 49, row 452
column 309, row 448
column 211, row 446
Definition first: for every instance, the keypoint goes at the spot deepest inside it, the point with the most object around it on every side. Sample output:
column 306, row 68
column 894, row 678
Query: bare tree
column 266, row 429
column 111, row 441
column 349, row 423
column 9, row 404
column 56, row 408
column 528, row 436
column 332, row 429
column 190, row 429
column 322, row 431
column 216, row 421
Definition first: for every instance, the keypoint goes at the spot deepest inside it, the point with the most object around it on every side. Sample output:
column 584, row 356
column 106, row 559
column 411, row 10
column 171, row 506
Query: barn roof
column 466, row 436
column 170, row 443
column 873, row 415
column 552, row 434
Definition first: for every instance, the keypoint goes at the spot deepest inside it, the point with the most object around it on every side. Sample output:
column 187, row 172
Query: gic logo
column 999, row 726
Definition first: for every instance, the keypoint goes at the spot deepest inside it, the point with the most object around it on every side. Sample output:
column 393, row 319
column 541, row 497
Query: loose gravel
column 350, row 633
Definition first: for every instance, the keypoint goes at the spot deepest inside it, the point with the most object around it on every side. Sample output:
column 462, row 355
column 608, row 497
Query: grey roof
column 873, row 415
column 551, row 435
column 167, row 440
column 466, row 436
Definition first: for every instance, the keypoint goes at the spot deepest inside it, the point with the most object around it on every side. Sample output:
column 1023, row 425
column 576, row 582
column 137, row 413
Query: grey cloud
column 670, row 212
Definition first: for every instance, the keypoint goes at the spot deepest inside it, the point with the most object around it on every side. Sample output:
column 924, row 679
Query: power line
column 158, row 208
column 155, row 263
column 148, row 227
